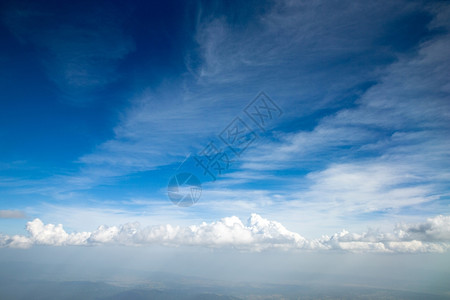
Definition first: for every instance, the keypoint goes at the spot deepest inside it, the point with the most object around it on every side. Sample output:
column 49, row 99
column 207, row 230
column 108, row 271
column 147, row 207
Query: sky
column 234, row 126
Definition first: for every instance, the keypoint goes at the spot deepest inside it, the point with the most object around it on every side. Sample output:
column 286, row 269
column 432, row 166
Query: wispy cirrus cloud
column 228, row 58
column 387, row 152
column 163, row 125
column 382, row 150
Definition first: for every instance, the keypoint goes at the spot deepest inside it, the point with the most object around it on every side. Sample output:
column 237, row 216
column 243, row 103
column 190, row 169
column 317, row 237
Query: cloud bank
column 257, row 234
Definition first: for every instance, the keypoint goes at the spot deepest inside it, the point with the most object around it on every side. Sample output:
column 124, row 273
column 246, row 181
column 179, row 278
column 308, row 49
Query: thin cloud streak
column 11, row 214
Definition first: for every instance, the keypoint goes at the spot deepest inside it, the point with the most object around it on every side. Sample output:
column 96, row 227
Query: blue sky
column 101, row 103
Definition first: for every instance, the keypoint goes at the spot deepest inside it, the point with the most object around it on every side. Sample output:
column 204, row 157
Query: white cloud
column 389, row 151
column 54, row 235
column 257, row 235
column 161, row 127
column 284, row 51
column 16, row 241
column 430, row 236
column 435, row 229
column 365, row 187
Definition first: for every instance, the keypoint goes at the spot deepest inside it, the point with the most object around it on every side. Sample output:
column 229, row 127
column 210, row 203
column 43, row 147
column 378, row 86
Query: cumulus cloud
column 435, row 229
column 257, row 234
column 430, row 236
